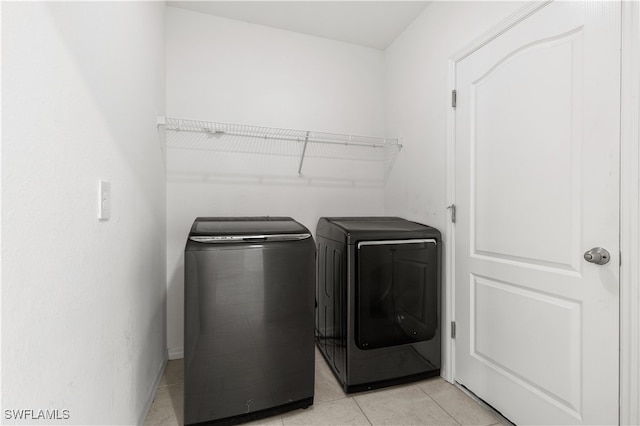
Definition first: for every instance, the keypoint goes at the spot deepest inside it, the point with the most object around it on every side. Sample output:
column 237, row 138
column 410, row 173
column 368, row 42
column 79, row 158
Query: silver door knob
column 597, row 255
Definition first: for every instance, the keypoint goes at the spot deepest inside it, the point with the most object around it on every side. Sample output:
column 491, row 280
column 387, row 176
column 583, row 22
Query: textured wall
column 83, row 301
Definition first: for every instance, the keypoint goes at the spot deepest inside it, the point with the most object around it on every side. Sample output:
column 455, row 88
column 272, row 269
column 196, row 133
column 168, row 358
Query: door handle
column 597, row 255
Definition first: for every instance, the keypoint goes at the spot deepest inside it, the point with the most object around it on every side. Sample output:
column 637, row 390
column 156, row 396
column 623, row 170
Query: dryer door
column 396, row 292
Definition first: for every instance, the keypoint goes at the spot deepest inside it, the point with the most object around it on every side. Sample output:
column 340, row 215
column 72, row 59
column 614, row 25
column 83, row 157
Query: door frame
column 629, row 376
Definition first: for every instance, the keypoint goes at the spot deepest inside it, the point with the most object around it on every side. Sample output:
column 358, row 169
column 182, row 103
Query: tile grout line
column 495, row 413
column 330, row 400
column 444, row 409
column 361, row 410
column 486, row 409
column 168, row 386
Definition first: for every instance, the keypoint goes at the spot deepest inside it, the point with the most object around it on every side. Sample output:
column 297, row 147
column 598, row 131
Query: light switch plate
column 104, row 200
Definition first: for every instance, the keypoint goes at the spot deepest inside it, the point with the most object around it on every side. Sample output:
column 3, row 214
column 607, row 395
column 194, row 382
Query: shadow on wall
column 270, row 180
column 175, row 309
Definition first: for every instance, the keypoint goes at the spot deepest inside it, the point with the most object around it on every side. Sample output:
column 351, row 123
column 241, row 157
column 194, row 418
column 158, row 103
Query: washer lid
column 350, row 230
column 236, row 229
column 382, row 223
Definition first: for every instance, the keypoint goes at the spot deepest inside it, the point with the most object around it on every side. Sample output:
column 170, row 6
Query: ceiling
column 367, row 23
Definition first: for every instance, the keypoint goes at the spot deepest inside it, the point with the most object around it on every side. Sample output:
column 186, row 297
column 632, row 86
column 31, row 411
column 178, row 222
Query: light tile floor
column 428, row 402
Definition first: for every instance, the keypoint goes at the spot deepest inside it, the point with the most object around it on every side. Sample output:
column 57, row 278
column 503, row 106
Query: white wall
column 231, row 71
column 83, row 301
column 418, row 98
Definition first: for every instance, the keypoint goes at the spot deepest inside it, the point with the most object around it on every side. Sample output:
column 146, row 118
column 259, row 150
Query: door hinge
column 453, row 212
column 453, row 329
column 454, row 100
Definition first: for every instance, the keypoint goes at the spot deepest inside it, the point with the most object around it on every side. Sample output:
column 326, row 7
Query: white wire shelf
column 242, row 138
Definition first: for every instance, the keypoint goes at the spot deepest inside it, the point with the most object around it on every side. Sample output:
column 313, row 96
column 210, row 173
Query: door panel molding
column 488, row 332
column 560, row 151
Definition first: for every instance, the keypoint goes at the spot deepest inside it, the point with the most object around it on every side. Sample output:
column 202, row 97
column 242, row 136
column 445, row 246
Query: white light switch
column 104, row 200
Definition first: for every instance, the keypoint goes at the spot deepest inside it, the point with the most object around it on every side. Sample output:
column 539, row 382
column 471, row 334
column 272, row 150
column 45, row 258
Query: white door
column 537, row 185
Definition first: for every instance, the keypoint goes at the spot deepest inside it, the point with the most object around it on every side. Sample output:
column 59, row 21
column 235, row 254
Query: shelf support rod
column 304, row 149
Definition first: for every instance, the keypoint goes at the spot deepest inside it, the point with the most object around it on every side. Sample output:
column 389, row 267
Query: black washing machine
column 378, row 300
column 249, row 342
